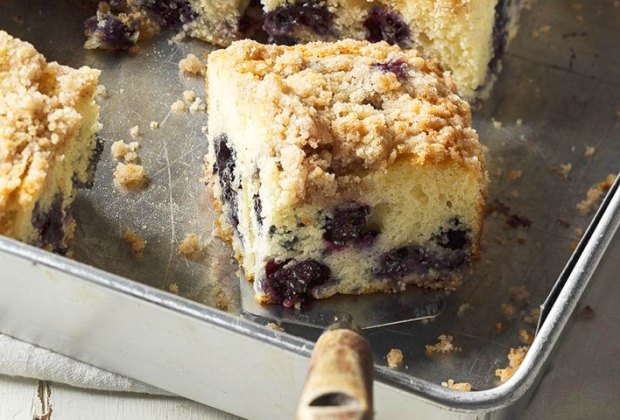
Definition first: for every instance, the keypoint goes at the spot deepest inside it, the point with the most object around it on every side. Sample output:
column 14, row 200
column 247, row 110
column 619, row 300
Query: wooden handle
column 339, row 383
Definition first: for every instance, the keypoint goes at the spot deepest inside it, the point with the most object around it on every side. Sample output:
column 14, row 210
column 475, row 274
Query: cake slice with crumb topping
column 48, row 143
column 467, row 37
column 347, row 167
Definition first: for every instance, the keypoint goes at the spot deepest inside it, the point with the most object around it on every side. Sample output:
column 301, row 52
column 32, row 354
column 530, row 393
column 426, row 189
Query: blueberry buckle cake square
column 468, row 37
column 48, row 144
column 347, row 167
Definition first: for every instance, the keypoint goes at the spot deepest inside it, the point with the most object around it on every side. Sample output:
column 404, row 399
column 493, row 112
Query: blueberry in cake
column 347, row 167
column 468, row 37
column 119, row 24
column 48, row 143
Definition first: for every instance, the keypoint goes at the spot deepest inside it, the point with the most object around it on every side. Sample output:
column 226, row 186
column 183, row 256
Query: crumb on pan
column 189, row 96
column 526, row 336
column 221, row 300
column 190, row 247
column 154, row 125
column 542, row 30
column 101, row 93
column 499, row 326
column 589, row 151
column 192, row 65
column 444, row 345
column 496, row 124
column 198, row 105
column 178, row 106
column 578, row 232
column 532, row 317
column 173, row 288
column 508, row 310
column 463, row 308
column 515, row 358
column 458, row 386
column 135, row 132
column 136, row 243
column 595, row 195
column 129, row 176
column 394, row 358
column 519, row 294
column 515, row 174
column 121, row 150
column 274, row 326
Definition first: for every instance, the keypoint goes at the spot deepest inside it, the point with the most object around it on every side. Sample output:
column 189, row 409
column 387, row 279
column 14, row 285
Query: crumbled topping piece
column 519, row 294
column 563, row 169
column 177, row 106
column 136, row 243
column 542, row 30
column 533, row 316
column 595, row 195
column 458, row 386
column 515, row 358
column 135, row 132
column 394, row 358
column 526, row 336
column 154, row 125
column 192, row 65
column 274, row 326
column 121, row 150
column 496, row 124
column 590, row 150
column 444, row 345
column 189, row 96
column 508, row 310
column 221, row 300
column 499, row 326
column 101, row 93
column 129, row 176
column 173, row 288
column 190, row 247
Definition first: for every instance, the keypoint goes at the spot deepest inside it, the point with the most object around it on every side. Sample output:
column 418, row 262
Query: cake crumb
column 192, row 65
column 589, row 151
column 173, row 288
column 578, row 232
column 123, row 151
column 190, row 247
column 496, row 124
column 519, row 294
column 136, row 243
column 542, row 30
column 519, row 122
column 515, row 358
column 129, row 176
column 189, row 96
column 458, row 386
column 221, row 300
column 177, row 106
column 499, row 326
column 154, row 125
column 394, row 358
column 533, row 316
column 595, row 195
column 508, row 310
column 444, row 345
column 197, row 106
column 514, row 175
column 274, row 326
column 101, row 93
column 135, row 132
column 564, row 169
column 525, row 336
column 463, row 308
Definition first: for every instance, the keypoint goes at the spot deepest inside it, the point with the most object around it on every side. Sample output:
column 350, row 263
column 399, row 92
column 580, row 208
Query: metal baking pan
column 558, row 92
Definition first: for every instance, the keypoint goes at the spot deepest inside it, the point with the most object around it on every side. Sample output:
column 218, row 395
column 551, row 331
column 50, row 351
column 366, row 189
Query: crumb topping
column 444, row 345
column 394, row 358
column 38, row 117
column 136, row 243
column 274, row 326
column 190, row 247
column 337, row 111
column 121, row 150
column 595, row 195
column 459, row 386
column 192, row 65
column 515, row 358
column 130, row 176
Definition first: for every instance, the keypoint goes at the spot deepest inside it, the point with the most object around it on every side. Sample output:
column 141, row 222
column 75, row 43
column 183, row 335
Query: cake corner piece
column 48, row 133
column 347, row 167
